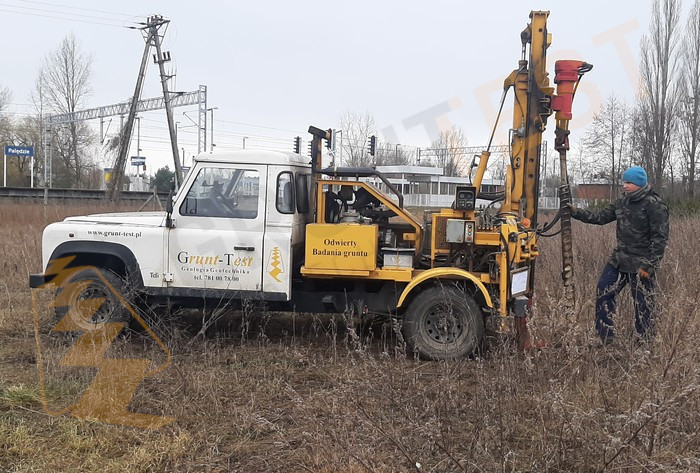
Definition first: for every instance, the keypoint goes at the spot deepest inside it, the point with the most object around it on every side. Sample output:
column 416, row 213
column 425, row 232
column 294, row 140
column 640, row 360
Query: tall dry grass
column 300, row 393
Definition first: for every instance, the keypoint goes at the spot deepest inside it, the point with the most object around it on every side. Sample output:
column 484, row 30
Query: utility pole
column 138, row 142
column 202, row 121
column 152, row 37
column 161, row 60
column 340, row 154
column 117, row 179
column 212, row 127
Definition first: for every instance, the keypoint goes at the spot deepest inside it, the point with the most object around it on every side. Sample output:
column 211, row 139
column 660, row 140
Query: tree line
column 445, row 150
column 62, row 86
column 661, row 129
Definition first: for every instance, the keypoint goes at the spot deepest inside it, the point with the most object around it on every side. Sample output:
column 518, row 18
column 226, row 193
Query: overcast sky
column 274, row 67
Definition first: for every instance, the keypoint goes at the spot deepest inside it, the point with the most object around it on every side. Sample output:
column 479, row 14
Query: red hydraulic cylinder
column 566, row 75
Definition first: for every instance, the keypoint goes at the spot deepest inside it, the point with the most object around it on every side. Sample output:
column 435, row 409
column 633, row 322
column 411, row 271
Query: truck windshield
column 223, row 192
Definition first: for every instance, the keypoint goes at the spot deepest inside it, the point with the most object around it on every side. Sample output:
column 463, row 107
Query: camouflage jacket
column 642, row 229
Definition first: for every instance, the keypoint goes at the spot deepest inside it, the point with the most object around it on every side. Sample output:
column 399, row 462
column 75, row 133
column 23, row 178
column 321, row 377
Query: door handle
column 244, row 248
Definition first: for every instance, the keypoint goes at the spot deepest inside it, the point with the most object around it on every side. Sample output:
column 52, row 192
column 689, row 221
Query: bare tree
column 658, row 100
column 690, row 108
column 27, row 131
column 357, row 128
column 62, row 86
column 447, row 151
column 394, row 155
column 5, row 122
column 6, row 132
column 606, row 140
column 5, row 97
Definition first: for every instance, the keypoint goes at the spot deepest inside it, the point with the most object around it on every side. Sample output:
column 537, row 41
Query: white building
column 426, row 186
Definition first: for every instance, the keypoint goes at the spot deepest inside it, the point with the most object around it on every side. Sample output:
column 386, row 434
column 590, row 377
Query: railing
column 37, row 193
column 445, row 201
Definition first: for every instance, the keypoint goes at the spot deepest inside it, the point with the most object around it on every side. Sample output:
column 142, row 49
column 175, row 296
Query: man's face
column 629, row 187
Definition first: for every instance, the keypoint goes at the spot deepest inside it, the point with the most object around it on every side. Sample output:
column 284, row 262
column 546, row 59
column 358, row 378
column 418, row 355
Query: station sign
column 19, row 151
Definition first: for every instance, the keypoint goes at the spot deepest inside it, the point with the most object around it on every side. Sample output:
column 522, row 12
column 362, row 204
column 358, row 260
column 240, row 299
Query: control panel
column 465, row 198
column 460, row 231
column 469, row 231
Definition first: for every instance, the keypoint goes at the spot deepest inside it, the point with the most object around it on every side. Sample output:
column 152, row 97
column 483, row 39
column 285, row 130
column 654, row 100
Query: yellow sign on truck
column 344, row 247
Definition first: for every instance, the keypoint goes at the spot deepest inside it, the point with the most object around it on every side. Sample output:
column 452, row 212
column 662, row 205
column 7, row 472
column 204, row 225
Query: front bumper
column 37, row 280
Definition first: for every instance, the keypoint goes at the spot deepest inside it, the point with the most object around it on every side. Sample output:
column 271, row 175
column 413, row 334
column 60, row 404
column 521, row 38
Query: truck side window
column 302, row 193
column 223, row 192
column 285, row 193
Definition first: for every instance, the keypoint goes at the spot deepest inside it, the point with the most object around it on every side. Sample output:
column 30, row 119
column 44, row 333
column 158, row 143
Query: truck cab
column 235, row 226
column 237, row 223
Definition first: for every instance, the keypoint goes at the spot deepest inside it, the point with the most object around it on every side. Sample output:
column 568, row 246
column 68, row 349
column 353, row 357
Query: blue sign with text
column 21, row 151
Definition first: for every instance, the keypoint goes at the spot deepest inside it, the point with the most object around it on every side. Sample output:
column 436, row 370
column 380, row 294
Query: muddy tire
column 443, row 322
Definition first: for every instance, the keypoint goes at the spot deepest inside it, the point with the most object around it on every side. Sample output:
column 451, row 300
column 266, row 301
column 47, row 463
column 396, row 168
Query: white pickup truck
column 272, row 227
column 235, row 226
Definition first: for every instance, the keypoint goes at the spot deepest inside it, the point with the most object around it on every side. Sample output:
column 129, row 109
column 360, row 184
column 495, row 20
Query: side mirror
column 169, row 210
column 169, row 203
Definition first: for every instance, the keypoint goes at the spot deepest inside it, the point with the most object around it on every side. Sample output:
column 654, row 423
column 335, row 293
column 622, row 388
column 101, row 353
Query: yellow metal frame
column 517, row 246
column 529, row 118
column 399, row 275
column 383, row 198
column 445, row 273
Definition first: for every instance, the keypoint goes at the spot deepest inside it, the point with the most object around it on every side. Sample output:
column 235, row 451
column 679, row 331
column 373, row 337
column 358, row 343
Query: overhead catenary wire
column 55, row 11
column 68, row 15
column 76, row 8
column 62, row 18
column 261, row 126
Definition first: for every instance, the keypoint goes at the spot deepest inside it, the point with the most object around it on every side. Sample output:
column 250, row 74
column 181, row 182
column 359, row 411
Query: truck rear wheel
column 85, row 284
column 443, row 322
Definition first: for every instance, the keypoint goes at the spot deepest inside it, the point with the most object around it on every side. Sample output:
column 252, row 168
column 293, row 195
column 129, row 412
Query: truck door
column 217, row 241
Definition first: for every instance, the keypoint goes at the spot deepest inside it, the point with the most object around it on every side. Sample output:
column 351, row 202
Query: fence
column 445, row 201
column 38, row 193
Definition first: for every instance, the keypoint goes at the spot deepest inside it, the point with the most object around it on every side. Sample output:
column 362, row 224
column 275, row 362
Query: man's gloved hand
column 570, row 206
column 643, row 273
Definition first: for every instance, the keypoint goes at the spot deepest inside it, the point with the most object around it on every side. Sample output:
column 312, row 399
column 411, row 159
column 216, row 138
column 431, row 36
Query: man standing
column 642, row 233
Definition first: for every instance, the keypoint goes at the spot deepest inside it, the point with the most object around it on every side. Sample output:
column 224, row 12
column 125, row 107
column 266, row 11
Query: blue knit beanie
column 635, row 175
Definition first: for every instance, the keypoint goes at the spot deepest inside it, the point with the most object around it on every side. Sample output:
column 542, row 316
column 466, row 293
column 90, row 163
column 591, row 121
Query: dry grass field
column 262, row 392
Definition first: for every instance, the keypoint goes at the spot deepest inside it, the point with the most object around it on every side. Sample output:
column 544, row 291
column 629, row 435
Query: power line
column 77, row 8
column 58, row 12
column 257, row 137
column 262, row 126
column 60, row 18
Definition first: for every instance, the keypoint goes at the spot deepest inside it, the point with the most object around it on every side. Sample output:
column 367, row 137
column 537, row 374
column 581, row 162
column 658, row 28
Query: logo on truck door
column 227, row 267
column 275, row 267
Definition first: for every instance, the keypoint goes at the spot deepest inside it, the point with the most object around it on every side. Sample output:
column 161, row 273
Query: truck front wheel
column 85, row 284
column 443, row 322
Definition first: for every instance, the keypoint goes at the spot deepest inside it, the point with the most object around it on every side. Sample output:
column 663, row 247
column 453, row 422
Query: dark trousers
column 610, row 284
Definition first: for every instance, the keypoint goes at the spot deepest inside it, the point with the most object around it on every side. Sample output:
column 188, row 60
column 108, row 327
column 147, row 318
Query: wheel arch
column 427, row 278
column 118, row 258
